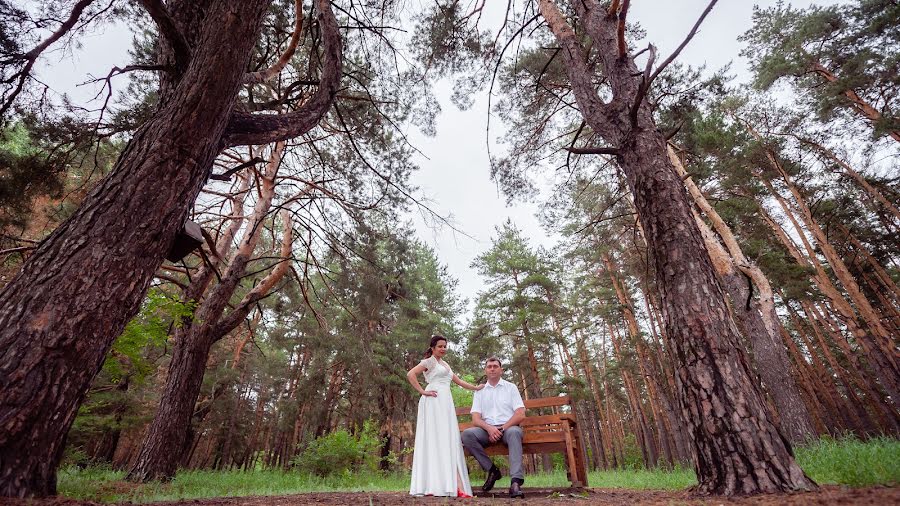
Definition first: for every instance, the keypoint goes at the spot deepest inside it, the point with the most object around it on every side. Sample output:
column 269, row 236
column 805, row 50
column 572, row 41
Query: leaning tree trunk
column 738, row 449
column 757, row 316
column 771, row 359
column 75, row 294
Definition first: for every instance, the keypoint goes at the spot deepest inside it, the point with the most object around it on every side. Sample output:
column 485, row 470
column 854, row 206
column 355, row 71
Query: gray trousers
column 476, row 438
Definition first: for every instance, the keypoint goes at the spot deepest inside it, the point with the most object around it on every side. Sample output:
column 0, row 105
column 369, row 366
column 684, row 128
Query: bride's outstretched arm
column 414, row 381
column 466, row 384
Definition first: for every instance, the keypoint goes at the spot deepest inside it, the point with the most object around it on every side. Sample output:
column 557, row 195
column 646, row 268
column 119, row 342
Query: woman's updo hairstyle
column 435, row 339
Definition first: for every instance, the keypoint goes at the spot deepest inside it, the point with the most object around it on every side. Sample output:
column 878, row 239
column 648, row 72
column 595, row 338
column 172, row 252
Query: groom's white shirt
column 497, row 403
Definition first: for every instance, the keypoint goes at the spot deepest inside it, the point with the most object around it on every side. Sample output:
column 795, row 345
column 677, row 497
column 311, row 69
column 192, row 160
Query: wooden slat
column 544, row 437
column 551, row 422
column 547, row 402
column 547, row 419
column 572, row 466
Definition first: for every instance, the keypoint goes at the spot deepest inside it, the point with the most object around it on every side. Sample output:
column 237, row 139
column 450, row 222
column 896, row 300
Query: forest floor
column 827, row 495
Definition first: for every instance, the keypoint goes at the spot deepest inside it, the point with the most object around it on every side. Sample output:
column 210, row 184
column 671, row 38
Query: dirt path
column 828, row 495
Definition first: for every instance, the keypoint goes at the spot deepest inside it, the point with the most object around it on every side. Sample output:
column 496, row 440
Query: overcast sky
column 455, row 176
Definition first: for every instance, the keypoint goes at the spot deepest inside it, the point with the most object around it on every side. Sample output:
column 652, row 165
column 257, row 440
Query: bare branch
column 644, row 86
column 225, row 176
column 31, row 56
column 262, row 76
column 255, row 129
column 260, row 291
column 687, row 39
column 620, row 29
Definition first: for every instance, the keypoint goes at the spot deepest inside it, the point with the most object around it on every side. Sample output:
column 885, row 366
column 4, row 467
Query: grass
column 852, row 462
column 108, row 486
column 846, row 461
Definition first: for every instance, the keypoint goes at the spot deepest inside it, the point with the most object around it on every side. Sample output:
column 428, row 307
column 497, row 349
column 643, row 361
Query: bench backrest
column 543, row 402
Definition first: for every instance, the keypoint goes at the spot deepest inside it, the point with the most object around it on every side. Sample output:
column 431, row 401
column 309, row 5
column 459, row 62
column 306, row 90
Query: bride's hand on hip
column 429, row 393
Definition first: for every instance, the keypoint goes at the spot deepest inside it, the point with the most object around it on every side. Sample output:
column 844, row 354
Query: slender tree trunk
column 823, row 282
column 819, row 373
column 881, row 350
column 859, row 179
column 818, row 409
column 859, row 104
column 628, row 312
column 876, row 401
column 160, row 454
column 641, row 426
column 595, row 392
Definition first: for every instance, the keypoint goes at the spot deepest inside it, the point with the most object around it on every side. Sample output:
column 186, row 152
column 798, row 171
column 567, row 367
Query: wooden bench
column 557, row 432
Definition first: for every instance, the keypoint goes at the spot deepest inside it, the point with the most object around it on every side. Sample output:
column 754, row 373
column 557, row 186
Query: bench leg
column 570, row 456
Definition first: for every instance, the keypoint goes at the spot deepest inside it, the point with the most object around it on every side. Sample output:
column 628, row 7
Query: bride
column 439, row 465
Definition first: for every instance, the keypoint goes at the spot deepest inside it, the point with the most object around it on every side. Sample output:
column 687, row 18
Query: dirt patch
column 828, row 495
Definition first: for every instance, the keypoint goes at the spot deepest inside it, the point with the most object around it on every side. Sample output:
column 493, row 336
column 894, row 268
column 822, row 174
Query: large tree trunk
column 770, row 356
column 74, row 295
column 738, row 448
column 757, row 317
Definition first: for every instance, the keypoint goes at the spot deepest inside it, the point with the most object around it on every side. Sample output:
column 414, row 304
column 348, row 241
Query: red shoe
column 462, row 495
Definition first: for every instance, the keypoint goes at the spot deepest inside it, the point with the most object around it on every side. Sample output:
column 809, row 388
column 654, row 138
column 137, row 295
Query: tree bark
column 771, row 359
column 757, row 317
column 738, row 448
column 74, row 295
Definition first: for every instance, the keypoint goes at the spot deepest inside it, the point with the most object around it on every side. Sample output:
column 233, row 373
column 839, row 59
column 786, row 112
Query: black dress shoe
column 515, row 491
column 492, row 476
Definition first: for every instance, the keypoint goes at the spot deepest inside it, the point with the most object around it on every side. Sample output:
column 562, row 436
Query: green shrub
column 341, row 452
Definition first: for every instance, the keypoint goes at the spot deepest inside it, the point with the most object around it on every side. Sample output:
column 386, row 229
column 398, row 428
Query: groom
column 497, row 410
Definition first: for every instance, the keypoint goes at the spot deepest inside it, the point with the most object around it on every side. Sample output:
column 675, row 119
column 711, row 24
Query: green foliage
column 25, row 173
column 461, row 396
column 854, row 42
column 112, row 403
column 160, row 312
column 632, row 454
column 341, row 452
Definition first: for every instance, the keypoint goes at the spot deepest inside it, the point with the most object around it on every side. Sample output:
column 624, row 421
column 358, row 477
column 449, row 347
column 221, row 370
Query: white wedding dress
column 438, row 455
